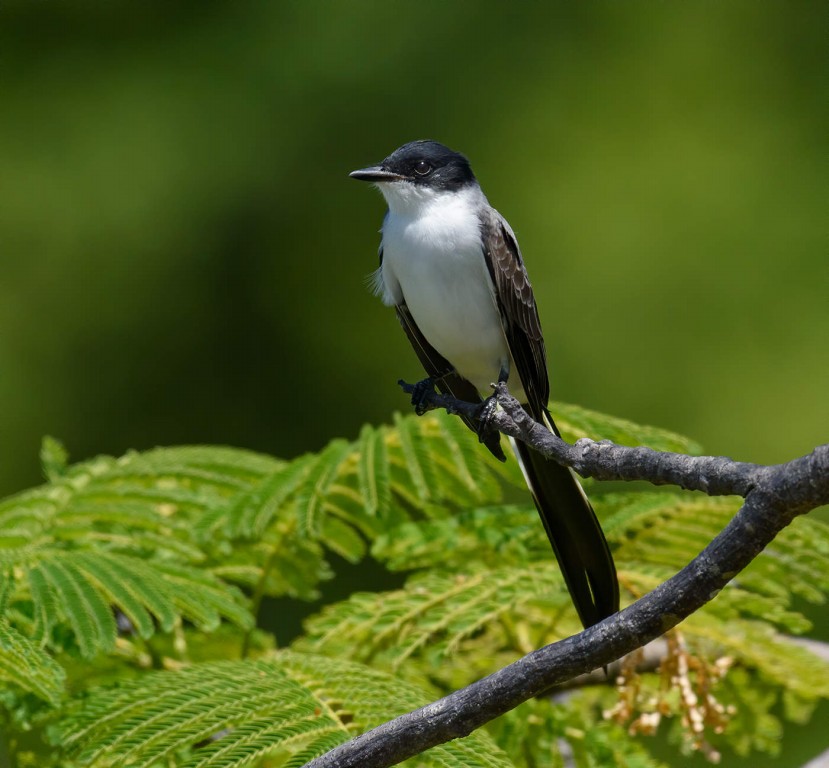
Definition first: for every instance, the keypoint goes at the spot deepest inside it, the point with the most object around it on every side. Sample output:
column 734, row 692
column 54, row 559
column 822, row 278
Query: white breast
column 432, row 260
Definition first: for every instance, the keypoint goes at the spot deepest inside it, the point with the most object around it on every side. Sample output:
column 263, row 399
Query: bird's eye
column 422, row 168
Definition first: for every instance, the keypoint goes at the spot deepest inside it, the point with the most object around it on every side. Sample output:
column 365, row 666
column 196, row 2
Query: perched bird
column 451, row 267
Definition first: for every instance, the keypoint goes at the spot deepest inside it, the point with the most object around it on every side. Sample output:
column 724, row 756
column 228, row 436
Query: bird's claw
column 485, row 414
column 420, row 392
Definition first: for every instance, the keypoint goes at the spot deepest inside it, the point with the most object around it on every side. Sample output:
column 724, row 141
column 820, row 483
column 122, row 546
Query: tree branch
column 774, row 496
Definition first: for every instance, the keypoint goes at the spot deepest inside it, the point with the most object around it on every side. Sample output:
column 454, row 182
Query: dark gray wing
column 519, row 313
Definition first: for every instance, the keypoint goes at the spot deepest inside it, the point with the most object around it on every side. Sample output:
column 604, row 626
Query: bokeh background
column 183, row 257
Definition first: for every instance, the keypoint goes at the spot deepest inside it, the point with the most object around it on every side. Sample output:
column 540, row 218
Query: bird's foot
column 420, row 393
column 485, row 414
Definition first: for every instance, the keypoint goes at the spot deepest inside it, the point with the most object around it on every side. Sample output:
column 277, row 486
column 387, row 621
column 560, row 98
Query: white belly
column 452, row 304
column 436, row 266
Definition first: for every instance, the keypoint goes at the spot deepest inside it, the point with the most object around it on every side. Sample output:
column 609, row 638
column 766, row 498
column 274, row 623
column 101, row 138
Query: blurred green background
column 183, row 256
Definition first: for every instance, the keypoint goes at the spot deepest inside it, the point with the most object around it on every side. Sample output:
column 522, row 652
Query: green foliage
column 114, row 535
column 436, row 616
column 129, row 588
column 576, row 422
column 489, row 612
column 27, row 667
column 289, row 706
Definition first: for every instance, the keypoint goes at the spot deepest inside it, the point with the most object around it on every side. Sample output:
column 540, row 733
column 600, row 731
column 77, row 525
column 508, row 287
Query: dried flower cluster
column 686, row 688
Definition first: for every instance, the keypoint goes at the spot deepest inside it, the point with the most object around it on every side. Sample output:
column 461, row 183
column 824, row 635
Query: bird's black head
column 425, row 163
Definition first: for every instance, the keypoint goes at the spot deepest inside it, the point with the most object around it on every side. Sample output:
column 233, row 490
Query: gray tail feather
column 574, row 531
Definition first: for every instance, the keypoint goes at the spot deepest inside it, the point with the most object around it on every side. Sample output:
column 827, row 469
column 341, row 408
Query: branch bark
column 774, row 496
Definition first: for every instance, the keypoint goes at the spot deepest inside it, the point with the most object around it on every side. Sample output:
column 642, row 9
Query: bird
column 451, row 267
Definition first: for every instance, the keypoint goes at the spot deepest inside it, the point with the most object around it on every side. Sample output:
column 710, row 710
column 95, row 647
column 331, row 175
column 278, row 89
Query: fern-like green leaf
column 88, row 614
column 251, row 513
column 492, row 536
column 139, row 503
column 349, row 494
column 575, row 422
column 24, row 665
column 81, row 589
column 229, row 714
column 346, row 496
column 665, row 529
column 373, row 470
column 756, row 644
column 27, row 667
column 480, row 611
column 311, row 496
column 415, row 457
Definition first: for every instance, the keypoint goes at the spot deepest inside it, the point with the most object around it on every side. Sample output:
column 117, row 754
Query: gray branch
column 774, row 496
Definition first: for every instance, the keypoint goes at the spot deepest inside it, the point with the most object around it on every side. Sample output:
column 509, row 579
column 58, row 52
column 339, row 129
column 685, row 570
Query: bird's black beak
column 376, row 174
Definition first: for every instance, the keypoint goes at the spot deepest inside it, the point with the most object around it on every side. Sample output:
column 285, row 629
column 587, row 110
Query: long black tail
column 575, row 533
